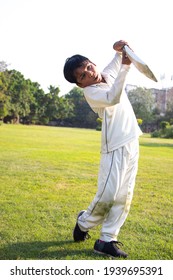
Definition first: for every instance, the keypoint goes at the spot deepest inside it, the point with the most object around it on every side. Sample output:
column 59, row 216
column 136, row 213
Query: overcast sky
column 38, row 35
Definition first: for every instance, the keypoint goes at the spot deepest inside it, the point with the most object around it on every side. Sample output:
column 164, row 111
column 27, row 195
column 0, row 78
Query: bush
column 163, row 133
column 171, row 121
column 44, row 120
column 168, row 132
column 164, row 124
column 99, row 124
column 156, row 134
column 140, row 121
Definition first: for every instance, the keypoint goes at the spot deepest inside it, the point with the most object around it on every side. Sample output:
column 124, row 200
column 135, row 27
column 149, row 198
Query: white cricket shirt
column 110, row 101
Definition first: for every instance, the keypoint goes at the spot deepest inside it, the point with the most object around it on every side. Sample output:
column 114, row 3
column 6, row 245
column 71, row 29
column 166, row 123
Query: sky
column 36, row 37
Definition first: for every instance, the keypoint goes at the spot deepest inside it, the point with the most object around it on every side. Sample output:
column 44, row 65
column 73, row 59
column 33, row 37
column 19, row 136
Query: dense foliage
column 23, row 101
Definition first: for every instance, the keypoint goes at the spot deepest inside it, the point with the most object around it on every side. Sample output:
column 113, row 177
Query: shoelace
column 117, row 243
column 87, row 236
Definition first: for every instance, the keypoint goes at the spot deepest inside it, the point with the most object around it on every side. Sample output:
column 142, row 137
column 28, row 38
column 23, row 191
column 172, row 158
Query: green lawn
column 49, row 174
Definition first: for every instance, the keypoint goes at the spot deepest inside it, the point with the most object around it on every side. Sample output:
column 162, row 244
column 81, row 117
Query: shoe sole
column 103, row 254
column 108, row 255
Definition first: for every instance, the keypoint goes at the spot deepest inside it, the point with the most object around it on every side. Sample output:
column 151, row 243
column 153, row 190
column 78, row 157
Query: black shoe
column 78, row 234
column 109, row 248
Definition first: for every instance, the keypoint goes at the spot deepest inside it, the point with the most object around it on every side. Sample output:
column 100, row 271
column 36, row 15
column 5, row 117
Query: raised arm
column 120, row 58
column 99, row 97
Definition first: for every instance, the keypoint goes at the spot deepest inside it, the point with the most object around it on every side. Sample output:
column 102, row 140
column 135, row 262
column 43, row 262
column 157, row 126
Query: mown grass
column 49, row 174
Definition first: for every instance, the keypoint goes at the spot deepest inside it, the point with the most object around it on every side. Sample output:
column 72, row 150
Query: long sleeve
column 101, row 95
column 114, row 66
column 110, row 101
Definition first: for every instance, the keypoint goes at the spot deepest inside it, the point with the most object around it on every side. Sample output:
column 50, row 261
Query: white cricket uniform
column 119, row 152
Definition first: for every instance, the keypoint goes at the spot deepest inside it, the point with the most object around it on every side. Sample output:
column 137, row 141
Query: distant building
column 161, row 97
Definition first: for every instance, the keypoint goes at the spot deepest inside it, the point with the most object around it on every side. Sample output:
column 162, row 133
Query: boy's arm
column 120, row 58
column 98, row 97
column 114, row 66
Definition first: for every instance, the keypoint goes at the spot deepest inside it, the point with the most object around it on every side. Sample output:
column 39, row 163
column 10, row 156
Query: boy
column 106, row 96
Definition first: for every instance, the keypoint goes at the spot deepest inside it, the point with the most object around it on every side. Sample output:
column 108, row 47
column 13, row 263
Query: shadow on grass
column 53, row 250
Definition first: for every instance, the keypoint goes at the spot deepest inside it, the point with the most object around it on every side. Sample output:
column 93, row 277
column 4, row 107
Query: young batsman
column 104, row 92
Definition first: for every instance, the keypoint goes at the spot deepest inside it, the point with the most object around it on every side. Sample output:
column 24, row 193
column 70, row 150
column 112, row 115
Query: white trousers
column 116, row 181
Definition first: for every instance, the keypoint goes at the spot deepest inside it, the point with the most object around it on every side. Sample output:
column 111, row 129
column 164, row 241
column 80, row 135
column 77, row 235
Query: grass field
column 49, row 174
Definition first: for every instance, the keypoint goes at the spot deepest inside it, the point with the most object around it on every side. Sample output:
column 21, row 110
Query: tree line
column 24, row 101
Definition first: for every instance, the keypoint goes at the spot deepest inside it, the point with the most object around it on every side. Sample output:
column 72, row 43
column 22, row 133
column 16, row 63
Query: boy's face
column 87, row 74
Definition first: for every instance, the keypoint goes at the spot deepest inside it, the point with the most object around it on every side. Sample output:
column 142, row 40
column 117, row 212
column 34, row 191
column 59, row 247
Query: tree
column 83, row 116
column 19, row 94
column 169, row 107
column 4, row 100
column 3, row 88
column 37, row 104
column 56, row 107
column 142, row 103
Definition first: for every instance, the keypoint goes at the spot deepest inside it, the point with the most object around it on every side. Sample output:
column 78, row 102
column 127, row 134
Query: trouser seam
column 105, row 183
